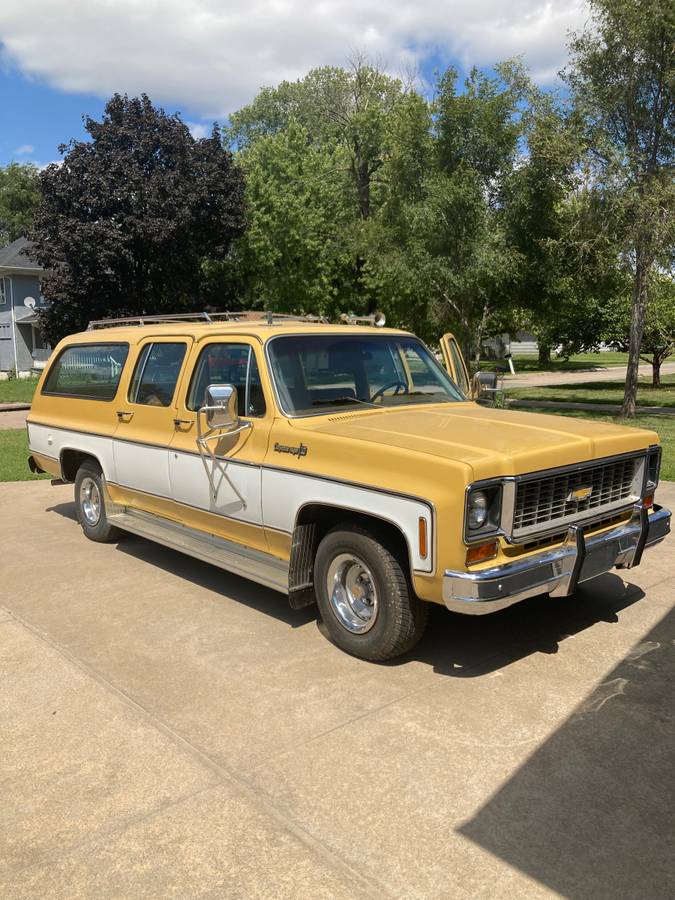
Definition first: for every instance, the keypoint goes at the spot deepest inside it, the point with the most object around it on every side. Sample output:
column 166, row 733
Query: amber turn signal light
column 422, row 537
column 648, row 501
column 481, row 553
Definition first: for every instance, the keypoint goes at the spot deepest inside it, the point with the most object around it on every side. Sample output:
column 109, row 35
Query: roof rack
column 208, row 318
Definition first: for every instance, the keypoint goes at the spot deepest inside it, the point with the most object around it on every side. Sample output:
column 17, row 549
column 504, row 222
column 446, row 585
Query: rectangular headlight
column 653, row 468
column 482, row 514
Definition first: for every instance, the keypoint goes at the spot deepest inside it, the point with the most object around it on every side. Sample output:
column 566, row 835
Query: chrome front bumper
column 556, row 572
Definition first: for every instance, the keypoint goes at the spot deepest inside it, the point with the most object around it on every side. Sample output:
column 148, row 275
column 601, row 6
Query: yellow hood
column 491, row 441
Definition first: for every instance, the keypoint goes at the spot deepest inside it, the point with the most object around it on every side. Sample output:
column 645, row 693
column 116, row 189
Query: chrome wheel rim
column 90, row 501
column 352, row 593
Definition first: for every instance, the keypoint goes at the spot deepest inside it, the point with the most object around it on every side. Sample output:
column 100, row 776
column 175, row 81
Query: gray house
column 21, row 346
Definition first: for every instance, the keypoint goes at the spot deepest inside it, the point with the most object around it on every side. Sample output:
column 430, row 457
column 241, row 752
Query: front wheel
column 90, row 504
column 364, row 596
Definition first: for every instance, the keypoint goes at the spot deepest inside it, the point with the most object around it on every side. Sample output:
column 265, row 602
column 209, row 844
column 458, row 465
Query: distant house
column 22, row 348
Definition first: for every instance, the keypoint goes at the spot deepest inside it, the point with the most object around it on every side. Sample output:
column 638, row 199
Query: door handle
column 179, row 422
column 124, row 414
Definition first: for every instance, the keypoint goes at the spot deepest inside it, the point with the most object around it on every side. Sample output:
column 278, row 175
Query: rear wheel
column 90, row 504
column 364, row 596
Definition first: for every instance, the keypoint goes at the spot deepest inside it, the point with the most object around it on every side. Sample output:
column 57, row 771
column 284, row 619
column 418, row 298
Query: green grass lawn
column 663, row 425
column 17, row 390
column 14, row 457
column 600, row 392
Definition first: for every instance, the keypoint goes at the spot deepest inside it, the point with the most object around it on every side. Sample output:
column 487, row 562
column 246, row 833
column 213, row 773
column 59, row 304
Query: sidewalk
column 613, row 409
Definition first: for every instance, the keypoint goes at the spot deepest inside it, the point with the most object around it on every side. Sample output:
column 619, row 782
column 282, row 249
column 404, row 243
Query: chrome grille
column 547, row 501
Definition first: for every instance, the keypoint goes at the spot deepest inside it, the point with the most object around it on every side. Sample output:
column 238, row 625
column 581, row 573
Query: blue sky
column 59, row 62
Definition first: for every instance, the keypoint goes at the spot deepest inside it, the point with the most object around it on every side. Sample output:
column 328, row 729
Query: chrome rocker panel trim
column 556, row 572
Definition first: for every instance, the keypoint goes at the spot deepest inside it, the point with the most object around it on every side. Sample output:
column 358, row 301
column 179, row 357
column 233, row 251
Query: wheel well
column 314, row 521
column 71, row 460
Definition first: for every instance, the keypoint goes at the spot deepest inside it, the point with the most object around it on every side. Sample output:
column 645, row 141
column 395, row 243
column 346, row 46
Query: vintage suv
column 340, row 464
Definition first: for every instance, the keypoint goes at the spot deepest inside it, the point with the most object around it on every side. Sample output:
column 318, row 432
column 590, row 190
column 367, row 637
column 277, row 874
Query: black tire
column 101, row 530
column 400, row 617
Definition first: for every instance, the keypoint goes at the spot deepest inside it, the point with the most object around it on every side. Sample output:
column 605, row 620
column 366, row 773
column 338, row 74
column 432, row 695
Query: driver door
column 454, row 363
column 219, row 485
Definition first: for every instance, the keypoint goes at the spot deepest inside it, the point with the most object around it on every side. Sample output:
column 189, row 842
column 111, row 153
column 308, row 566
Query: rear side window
column 89, row 371
column 156, row 374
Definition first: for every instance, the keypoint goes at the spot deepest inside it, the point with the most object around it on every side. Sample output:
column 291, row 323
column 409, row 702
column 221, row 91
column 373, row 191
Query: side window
column 228, row 364
column 3, row 291
column 88, row 371
column 156, row 374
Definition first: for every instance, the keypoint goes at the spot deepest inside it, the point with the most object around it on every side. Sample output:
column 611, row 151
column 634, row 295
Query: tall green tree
column 128, row 220
column 452, row 257
column 622, row 77
column 538, row 217
column 19, row 198
column 345, row 107
column 658, row 338
column 349, row 117
column 293, row 252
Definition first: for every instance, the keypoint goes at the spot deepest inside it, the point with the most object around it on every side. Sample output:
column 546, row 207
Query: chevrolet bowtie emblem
column 578, row 494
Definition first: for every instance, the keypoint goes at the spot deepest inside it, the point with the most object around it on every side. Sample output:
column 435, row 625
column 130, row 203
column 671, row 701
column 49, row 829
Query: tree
column 128, row 220
column 451, row 257
column 537, row 213
column 622, row 79
column 349, row 108
column 658, row 340
column 348, row 116
column 293, row 252
column 19, row 197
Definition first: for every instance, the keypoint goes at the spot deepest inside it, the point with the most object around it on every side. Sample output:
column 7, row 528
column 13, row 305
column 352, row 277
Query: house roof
column 17, row 255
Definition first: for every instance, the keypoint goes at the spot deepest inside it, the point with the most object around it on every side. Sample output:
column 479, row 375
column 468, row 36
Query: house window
column 3, row 291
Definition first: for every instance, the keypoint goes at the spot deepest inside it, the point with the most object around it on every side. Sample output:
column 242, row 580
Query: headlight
column 478, row 509
column 653, row 466
column 483, row 511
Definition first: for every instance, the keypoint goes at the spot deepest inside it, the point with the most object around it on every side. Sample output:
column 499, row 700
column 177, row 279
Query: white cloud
column 25, row 150
column 211, row 56
column 198, row 130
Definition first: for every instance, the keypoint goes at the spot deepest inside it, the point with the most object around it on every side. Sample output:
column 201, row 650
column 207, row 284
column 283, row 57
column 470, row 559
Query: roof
column 199, row 330
column 17, row 255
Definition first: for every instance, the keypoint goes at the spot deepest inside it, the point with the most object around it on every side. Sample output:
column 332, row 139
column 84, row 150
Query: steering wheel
column 393, row 384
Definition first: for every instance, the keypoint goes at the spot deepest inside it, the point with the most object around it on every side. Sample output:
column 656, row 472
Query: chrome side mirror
column 220, row 406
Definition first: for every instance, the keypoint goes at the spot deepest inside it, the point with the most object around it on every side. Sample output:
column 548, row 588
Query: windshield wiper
column 340, row 400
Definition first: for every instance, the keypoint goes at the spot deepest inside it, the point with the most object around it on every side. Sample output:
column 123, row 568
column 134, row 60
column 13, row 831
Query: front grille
column 545, row 501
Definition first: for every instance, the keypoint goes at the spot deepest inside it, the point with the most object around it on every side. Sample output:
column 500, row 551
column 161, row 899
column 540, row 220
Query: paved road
column 612, row 373
column 171, row 730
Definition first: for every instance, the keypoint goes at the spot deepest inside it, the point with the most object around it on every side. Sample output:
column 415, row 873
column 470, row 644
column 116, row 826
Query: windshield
column 317, row 372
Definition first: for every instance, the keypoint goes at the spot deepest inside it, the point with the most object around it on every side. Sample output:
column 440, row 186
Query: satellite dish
column 29, row 302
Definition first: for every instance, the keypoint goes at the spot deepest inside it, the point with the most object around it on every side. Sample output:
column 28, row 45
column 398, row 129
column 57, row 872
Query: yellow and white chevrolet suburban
column 338, row 464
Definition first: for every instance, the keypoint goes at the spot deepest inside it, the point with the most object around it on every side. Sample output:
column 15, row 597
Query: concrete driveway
column 169, row 730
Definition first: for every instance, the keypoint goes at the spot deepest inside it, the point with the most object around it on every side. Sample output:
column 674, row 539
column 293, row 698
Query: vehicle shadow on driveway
column 466, row 646
column 459, row 646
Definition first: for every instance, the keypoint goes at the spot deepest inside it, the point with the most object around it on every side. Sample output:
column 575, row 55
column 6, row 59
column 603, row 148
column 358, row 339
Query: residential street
column 611, row 373
column 172, row 730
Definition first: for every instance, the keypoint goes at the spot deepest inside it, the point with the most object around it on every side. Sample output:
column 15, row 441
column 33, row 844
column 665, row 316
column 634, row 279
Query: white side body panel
column 141, row 467
column 236, row 486
column 52, row 441
column 285, row 493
